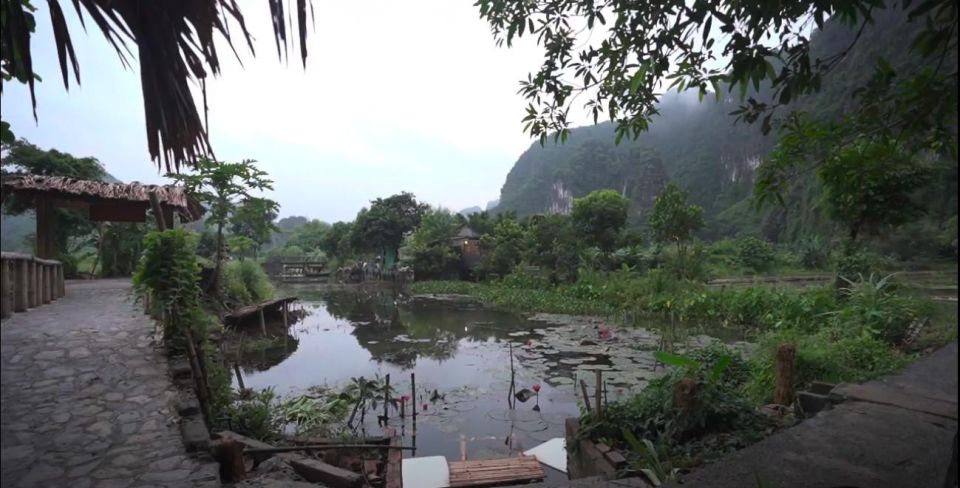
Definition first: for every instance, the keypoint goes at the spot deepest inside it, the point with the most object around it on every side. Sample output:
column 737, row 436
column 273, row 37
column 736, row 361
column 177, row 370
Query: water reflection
column 461, row 352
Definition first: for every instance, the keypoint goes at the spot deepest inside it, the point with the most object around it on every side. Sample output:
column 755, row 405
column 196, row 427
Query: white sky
column 397, row 96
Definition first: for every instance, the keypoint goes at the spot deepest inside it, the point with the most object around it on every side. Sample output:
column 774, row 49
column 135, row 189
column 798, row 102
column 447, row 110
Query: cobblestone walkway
column 86, row 399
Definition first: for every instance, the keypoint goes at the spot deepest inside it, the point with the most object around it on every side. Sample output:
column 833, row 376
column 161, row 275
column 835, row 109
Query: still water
column 461, row 355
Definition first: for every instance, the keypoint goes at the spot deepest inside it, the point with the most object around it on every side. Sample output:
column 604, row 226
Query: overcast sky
column 396, row 96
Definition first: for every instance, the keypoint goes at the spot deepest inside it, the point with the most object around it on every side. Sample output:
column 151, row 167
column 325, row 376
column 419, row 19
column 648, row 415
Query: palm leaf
column 175, row 43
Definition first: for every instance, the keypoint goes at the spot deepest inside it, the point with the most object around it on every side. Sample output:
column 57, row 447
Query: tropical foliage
column 225, row 189
column 177, row 51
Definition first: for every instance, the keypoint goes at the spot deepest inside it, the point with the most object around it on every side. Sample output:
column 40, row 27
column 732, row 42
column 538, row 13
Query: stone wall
column 587, row 458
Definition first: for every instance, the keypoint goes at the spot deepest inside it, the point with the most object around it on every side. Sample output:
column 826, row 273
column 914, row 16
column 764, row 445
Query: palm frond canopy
column 174, row 40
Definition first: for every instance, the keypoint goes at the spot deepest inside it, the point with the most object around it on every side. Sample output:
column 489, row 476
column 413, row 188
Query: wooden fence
column 28, row 282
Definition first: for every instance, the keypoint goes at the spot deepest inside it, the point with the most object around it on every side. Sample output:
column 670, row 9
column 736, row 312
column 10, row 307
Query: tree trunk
column 218, row 260
column 681, row 257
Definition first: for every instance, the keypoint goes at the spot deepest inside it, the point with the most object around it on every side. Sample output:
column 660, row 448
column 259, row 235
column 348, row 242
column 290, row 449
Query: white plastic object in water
column 553, row 453
column 425, row 472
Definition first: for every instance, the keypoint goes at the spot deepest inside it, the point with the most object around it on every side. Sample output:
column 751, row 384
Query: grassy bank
column 852, row 333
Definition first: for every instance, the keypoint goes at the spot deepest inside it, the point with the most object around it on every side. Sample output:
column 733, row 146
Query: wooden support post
column 62, row 280
column 511, row 399
column 586, row 396
column 598, row 394
column 33, row 299
column 263, row 323
column 48, row 282
column 236, row 371
column 6, row 289
column 54, row 282
column 394, row 474
column 229, row 453
column 783, row 394
column 157, row 211
column 21, row 285
column 45, row 283
column 386, row 400
column 414, row 404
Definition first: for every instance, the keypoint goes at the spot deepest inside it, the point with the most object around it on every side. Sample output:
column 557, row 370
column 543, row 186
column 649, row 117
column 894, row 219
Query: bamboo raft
column 495, row 472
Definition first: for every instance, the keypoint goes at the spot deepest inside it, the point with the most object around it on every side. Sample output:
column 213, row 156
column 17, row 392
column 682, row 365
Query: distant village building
column 467, row 243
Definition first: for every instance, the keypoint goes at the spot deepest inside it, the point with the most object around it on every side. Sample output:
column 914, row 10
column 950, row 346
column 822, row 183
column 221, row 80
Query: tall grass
column 244, row 282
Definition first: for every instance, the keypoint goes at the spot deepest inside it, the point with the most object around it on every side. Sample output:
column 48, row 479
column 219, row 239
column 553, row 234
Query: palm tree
column 175, row 45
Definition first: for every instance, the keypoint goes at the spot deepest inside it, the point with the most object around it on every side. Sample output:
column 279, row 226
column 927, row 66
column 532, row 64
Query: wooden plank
column 320, row 472
column 248, row 310
column 118, row 212
column 493, row 472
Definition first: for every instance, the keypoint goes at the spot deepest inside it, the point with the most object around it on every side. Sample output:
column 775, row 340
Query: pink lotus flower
column 425, row 405
column 536, row 388
column 404, row 398
column 529, row 342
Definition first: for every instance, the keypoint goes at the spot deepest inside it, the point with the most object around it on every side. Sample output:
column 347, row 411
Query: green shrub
column 720, row 419
column 813, row 253
column 244, row 282
column 833, row 355
column 723, row 257
column 522, row 279
column 871, row 304
column 254, row 417
column 755, row 255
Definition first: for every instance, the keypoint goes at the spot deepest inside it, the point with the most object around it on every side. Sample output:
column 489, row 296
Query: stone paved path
column 86, row 399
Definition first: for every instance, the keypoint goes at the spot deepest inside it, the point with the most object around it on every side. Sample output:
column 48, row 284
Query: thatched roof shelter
column 101, row 201
column 99, row 195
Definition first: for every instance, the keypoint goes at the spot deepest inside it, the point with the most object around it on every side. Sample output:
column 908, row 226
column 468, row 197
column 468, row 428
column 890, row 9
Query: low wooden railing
column 28, row 282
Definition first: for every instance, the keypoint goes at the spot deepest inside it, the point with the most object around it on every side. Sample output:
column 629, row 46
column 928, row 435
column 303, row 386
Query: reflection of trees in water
column 264, row 352
column 399, row 333
column 256, row 351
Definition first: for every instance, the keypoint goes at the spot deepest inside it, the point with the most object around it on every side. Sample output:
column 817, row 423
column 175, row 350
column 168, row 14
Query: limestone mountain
column 700, row 146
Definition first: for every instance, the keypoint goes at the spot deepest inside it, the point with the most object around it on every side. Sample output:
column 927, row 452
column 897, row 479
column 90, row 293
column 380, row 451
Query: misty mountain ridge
column 700, row 146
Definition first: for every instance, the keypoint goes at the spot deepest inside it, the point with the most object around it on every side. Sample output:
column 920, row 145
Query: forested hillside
column 702, row 148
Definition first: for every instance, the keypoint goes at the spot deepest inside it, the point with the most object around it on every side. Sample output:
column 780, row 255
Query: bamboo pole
column 598, row 393
column 511, row 400
column 413, row 401
column 321, row 447
column 386, row 400
column 236, row 371
column 586, row 396
column 200, row 381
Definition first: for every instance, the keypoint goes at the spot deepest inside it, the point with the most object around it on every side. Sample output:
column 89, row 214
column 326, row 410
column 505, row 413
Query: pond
column 460, row 353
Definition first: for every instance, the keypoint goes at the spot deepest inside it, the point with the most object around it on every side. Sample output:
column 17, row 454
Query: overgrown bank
column 869, row 327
